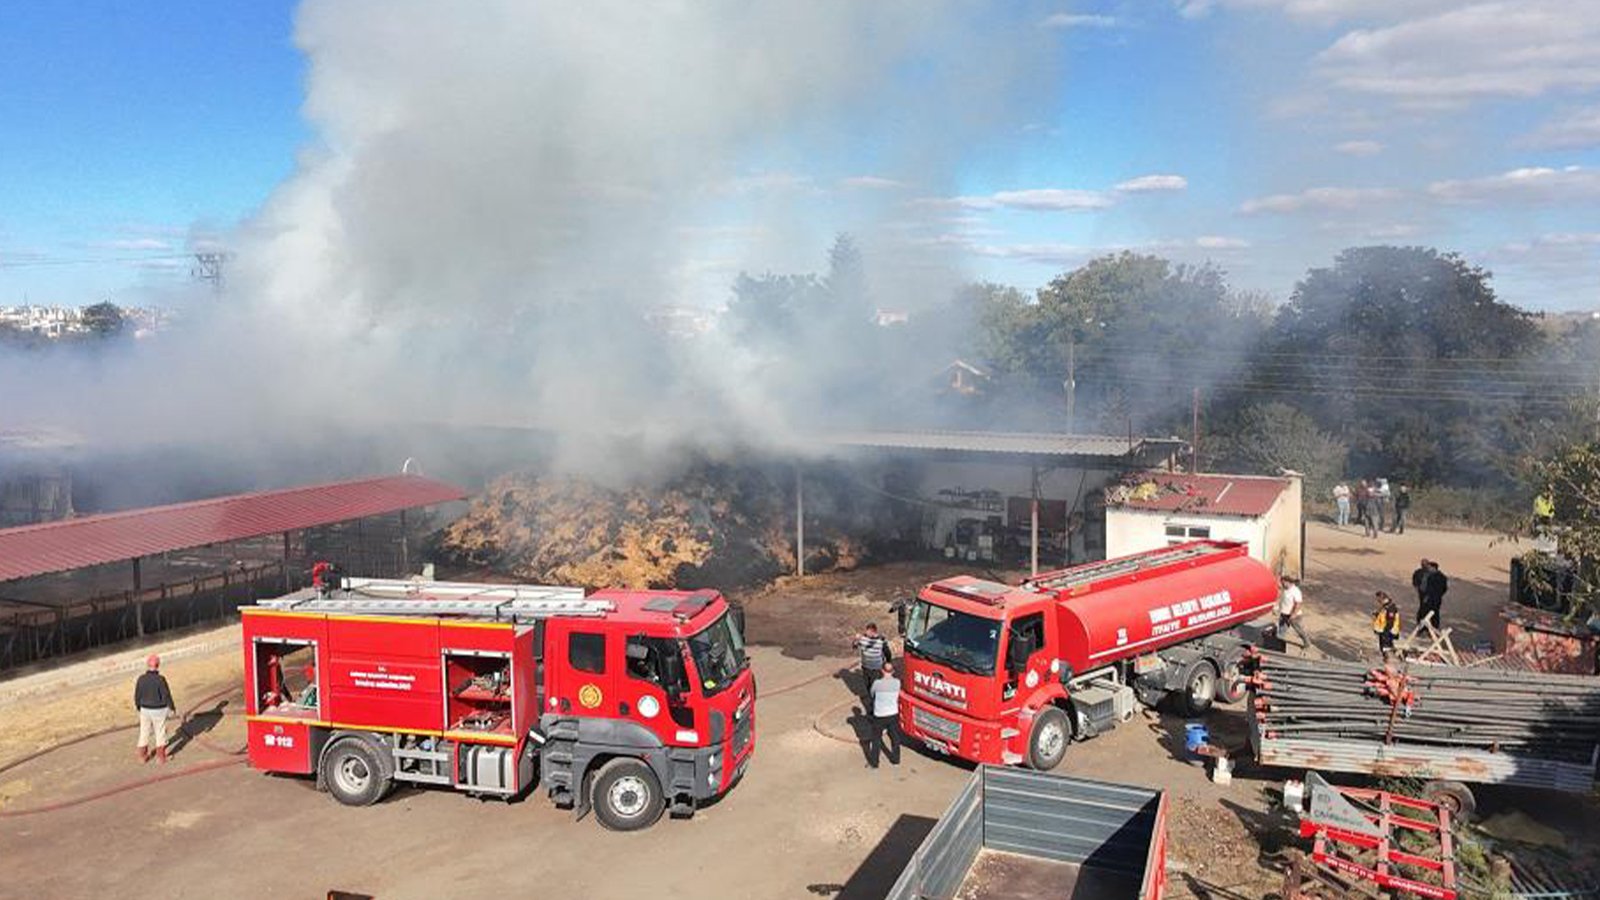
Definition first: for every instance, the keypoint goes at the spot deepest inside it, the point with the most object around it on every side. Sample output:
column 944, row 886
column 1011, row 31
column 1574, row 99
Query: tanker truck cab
column 1012, row 674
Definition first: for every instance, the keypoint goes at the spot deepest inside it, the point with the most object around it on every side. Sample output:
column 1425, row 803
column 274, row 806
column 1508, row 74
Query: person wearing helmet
column 153, row 700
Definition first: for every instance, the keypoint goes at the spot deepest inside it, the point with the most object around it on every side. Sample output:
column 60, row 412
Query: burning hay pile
column 712, row 525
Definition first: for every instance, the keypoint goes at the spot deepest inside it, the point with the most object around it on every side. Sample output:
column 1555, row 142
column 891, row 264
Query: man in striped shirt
column 874, row 649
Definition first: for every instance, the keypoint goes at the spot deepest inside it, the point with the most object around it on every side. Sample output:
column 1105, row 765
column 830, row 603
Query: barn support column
column 405, row 547
column 287, row 585
column 1033, row 521
column 138, row 597
column 799, row 521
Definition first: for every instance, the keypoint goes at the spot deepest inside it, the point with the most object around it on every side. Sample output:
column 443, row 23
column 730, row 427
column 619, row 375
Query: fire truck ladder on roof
column 1091, row 572
column 500, row 602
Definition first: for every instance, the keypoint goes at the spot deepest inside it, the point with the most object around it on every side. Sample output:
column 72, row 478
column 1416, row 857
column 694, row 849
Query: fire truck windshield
column 718, row 654
column 959, row 640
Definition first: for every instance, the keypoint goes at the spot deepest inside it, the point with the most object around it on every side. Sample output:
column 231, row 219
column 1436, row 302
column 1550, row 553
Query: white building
column 1164, row 508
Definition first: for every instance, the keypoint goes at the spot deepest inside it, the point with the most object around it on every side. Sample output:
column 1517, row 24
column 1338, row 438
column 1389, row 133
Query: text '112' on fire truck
column 627, row 702
column 1009, row 675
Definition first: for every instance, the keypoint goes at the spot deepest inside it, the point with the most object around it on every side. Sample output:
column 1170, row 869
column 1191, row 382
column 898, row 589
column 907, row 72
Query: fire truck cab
column 627, row 702
column 1003, row 674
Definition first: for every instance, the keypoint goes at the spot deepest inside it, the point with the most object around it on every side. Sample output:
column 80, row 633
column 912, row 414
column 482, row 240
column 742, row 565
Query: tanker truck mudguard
column 1012, row 675
column 629, row 703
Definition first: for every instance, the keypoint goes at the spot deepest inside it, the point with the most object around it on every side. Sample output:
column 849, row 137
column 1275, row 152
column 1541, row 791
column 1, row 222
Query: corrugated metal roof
column 1211, row 495
column 94, row 540
column 1008, row 442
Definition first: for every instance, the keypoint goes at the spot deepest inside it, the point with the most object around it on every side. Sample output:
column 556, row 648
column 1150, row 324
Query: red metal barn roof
column 113, row 537
column 1215, row 495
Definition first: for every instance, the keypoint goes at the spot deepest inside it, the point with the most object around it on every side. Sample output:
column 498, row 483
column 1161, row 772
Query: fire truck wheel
column 1199, row 688
column 626, row 795
column 1231, row 687
column 1047, row 743
column 354, row 774
column 1453, row 796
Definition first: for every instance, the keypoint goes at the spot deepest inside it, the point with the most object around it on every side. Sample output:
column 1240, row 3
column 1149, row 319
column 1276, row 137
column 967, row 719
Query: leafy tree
column 1269, row 437
column 104, row 319
column 1382, row 326
column 1138, row 331
column 1570, row 481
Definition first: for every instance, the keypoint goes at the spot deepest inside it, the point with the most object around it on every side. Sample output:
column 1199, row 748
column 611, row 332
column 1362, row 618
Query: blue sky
column 1262, row 135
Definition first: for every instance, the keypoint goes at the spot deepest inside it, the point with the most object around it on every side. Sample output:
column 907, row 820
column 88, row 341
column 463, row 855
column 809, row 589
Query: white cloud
column 1078, row 20
column 1321, row 10
column 1397, row 231
column 144, row 243
column 1359, row 148
column 1148, row 183
column 871, row 182
column 1052, row 199
column 1049, row 254
column 1220, row 242
column 1577, row 129
column 1320, row 199
column 1062, row 199
column 767, row 182
column 1496, row 49
column 1527, row 186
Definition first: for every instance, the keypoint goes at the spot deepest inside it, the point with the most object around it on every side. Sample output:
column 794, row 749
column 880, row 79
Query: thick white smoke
column 500, row 191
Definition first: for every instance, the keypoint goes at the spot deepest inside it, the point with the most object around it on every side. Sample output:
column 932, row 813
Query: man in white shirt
column 1289, row 602
column 885, row 694
column 1341, row 499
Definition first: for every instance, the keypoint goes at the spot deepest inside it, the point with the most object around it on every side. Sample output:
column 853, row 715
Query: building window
column 587, row 652
column 1177, row 534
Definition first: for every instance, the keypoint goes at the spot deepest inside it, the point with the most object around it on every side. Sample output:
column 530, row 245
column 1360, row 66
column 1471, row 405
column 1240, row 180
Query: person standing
column 875, row 654
column 885, row 694
column 1341, row 499
column 1364, row 509
column 1289, row 602
column 1380, row 503
column 1386, row 624
column 1418, row 576
column 153, row 700
column 1402, row 502
column 1434, row 586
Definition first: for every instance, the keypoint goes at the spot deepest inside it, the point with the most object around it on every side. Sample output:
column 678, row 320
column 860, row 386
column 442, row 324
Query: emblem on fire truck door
column 589, row 696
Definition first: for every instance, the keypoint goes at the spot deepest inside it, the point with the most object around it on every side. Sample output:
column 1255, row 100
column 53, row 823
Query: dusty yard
column 809, row 820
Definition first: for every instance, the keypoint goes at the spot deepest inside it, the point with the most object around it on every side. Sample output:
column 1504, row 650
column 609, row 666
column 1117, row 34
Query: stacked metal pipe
column 1554, row 717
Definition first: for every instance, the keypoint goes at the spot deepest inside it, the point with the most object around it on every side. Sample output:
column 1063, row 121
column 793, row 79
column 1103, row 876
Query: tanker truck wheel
column 1199, row 688
column 626, row 795
column 1231, row 686
column 354, row 774
column 1047, row 743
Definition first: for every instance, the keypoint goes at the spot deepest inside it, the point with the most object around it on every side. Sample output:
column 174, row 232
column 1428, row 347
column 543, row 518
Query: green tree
column 1394, row 349
column 1138, row 332
column 104, row 319
column 1270, row 437
column 1570, row 481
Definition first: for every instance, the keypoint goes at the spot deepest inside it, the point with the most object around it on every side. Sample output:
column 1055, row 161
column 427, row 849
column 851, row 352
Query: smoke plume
column 500, row 193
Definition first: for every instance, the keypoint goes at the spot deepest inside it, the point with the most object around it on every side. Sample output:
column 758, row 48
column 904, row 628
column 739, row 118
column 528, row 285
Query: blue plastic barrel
column 1195, row 736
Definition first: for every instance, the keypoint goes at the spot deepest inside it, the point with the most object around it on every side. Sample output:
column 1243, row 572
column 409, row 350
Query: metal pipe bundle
column 1552, row 717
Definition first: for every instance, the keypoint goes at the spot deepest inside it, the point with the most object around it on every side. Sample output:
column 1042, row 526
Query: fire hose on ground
column 231, row 758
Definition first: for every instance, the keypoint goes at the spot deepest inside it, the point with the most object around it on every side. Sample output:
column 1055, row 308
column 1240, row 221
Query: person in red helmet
column 153, row 700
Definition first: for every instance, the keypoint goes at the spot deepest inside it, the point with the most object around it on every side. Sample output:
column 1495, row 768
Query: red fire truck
column 627, row 702
column 1001, row 674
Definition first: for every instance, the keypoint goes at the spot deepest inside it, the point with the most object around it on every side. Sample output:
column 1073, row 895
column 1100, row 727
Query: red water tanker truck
column 1010, row 675
column 627, row 702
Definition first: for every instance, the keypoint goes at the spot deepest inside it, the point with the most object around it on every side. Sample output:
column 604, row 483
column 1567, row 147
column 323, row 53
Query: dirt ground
column 809, row 819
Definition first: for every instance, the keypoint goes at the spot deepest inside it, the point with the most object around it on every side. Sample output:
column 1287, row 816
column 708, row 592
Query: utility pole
column 1194, row 440
column 208, row 267
column 1071, row 384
